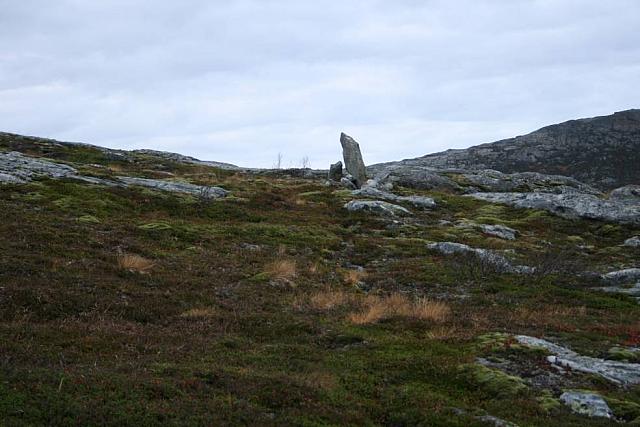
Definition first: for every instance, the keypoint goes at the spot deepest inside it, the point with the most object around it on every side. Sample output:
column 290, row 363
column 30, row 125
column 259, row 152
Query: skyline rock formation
column 353, row 159
column 601, row 151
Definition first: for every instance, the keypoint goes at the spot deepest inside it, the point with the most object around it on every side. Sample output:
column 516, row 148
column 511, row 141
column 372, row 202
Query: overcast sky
column 240, row 81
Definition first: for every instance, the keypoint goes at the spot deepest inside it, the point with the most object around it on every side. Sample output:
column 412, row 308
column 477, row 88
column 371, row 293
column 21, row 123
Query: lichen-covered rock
column 618, row 372
column 626, row 276
column 377, row 207
column 353, row 159
column 589, row 404
column 499, row 262
column 18, row 168
column 569, row 205
column 417, row 201
column 501, row 231
column 628, row 193
column 176, row 186
column 633, row 242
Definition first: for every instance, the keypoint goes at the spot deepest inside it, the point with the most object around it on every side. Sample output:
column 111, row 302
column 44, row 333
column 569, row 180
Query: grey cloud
column 240, row 81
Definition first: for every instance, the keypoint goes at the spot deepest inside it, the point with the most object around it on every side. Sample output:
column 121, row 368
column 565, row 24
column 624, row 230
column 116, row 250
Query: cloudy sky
column 240, row 81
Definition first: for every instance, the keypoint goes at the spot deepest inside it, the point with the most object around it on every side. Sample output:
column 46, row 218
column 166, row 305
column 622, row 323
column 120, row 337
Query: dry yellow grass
column 353, row 277
column 430, row 310
column 284, row 269
column 198, row 313
column 398, row 305
column 135, row 263
column 370, row 314
column 326, row 300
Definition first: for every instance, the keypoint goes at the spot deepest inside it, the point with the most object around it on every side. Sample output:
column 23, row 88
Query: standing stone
column 353, row 159
column 335, row 172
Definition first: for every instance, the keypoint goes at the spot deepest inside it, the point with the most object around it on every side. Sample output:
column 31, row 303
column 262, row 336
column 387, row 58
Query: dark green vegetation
column 211, row 335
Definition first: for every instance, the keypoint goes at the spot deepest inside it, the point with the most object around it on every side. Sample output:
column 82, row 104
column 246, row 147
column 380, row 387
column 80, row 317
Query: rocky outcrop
column 584, row 403
column 494, row 181
column 618, row 372
column 570, row 205
column 179, row 158
column 417, row 201
column 421, row 178
column 499, row 262
column 16, row 168
column 353, row 159
column 377, row 207
column 600, row 151
column 625, row 282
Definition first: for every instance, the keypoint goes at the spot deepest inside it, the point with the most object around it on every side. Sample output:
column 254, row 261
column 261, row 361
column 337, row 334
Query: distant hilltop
column 601, row 151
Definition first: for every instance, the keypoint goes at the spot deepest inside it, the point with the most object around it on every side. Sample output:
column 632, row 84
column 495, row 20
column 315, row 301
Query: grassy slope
column 84, row 342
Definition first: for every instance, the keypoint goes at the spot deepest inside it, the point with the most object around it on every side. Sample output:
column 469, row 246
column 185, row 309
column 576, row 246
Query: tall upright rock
column 353, row 159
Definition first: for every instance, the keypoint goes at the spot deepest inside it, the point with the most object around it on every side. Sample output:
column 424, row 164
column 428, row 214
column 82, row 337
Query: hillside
column 145, row 288
column 601, row 151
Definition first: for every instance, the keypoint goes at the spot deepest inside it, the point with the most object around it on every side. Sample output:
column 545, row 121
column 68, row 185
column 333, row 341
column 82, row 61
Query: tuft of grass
column 371, row 314
column 284, row 269
column 135, row 263
column 326, row 300
column 353, row 277
column 398, row 305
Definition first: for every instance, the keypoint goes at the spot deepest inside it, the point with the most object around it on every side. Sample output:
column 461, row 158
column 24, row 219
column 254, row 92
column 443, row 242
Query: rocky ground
column 145, row 288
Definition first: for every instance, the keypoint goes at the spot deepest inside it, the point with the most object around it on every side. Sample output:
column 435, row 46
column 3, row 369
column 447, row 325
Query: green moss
column 618, row 353
column 155, row 226
column 623, row 409
column 548, row 403
column 89, row 219
column 494, row 381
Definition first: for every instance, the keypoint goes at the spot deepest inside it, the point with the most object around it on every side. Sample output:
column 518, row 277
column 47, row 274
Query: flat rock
column 377, row 207
column 499, row 262
column 626, row 276
column 570, row 205
column 621, row 373
column 589, row 404
column 176, row 186
column 18, row 168
column 417, row 201
column 500, row 231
